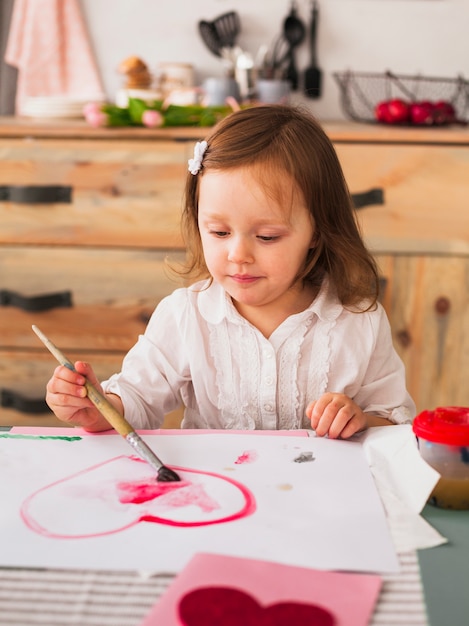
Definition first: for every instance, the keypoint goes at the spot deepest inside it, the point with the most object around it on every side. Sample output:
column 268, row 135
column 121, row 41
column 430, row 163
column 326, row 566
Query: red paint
column 226, row 606
column 248, row 508
column 248, row 456
column 170, row 497
column 174, row 494
column 138, row 492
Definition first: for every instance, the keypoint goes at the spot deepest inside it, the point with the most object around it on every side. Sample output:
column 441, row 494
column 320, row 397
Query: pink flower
column 91, row 107
column 96, row 118
column 152, row 119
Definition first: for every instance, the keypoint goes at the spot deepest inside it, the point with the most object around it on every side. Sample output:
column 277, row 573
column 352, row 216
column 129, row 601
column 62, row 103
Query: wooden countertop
column 338, row 131
column 425, row 190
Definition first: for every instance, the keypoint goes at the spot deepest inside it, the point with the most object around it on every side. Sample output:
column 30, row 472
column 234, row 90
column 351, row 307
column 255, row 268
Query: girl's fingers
column 86, row 370
column 335, row 415
column 325, row 412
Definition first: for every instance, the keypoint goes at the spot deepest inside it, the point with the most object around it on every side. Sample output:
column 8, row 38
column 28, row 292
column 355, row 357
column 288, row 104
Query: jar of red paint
column 443, row 441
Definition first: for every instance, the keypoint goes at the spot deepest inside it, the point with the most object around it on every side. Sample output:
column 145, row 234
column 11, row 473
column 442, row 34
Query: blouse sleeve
column 382, row 390
column 154, row 370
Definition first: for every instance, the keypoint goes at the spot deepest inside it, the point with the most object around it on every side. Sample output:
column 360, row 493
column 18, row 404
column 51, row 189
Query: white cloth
column 48, row 43
column 198, row 350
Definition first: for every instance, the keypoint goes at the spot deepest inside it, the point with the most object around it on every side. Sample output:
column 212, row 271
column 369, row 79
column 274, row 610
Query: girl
column 282, row 328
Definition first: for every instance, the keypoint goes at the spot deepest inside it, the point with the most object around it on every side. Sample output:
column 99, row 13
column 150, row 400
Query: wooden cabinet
column 420, row 237
column 427, row 301
column 104, row 249
column 100, row 257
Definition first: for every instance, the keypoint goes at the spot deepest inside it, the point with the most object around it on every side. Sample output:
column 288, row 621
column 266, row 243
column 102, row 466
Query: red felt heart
column 225, row 606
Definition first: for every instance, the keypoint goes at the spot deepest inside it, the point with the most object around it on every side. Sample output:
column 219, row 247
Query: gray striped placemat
column 94, row 598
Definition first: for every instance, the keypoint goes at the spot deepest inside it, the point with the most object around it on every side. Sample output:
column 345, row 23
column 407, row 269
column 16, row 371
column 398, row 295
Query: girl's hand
column 66, row 396
column 336, row 415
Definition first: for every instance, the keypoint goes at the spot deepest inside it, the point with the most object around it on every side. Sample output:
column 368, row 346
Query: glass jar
column 443, row 441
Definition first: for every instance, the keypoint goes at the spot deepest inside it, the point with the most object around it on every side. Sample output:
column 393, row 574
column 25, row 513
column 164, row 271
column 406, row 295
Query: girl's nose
column 239, row 250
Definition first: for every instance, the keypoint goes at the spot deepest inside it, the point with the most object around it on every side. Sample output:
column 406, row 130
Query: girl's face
column 254, row 244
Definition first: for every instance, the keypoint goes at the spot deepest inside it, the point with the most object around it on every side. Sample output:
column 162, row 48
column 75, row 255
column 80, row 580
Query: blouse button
column 268, row 407
column 269, row 380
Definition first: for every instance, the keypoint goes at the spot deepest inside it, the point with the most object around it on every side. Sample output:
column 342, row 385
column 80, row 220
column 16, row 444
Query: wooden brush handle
column 115, row 419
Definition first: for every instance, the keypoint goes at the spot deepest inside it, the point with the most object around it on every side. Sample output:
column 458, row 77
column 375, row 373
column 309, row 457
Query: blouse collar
column 215, row 304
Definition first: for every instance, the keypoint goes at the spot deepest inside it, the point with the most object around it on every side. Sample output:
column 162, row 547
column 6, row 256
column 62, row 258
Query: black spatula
column 210, row 37
column 228, row 27
column 313, row 75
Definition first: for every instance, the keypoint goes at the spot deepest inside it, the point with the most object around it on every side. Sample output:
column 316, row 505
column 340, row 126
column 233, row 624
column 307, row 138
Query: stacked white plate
column 53, row 107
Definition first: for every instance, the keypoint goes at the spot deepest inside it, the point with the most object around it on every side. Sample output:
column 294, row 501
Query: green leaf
column 173, row 115
column 118, row 117
column 136, row 109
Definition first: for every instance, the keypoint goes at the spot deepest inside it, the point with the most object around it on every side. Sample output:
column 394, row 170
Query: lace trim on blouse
column 239, row 379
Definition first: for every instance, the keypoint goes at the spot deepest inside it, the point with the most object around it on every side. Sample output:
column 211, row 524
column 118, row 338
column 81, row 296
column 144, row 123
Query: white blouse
column 199, row 351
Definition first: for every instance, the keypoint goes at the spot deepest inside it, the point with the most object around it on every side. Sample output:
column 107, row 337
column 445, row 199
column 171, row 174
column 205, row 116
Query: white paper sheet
column 300, row 501
column 404, row 481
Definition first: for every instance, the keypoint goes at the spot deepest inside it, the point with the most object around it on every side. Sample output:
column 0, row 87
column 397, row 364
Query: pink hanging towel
column 49, row 45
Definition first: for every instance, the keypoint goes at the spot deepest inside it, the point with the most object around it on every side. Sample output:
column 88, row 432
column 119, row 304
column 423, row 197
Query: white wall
column 430, row 37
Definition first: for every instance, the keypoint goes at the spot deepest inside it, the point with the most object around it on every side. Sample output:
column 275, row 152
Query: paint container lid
column 446, row 425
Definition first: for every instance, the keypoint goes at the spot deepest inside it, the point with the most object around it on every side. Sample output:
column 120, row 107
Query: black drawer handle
column 383, row 283
column 372, row 196
column 35, row 304
column 36, row 194
column 14, row 400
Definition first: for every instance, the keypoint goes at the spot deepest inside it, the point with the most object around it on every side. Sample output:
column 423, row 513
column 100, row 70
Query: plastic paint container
column 443, row 441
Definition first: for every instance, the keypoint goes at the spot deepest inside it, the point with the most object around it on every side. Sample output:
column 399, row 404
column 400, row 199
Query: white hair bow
column 196, row 163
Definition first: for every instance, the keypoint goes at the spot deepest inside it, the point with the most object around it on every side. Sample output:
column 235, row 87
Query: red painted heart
column 225, row 606
column 122, row 492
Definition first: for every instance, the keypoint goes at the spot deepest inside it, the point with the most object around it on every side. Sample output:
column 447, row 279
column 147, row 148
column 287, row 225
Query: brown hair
column 273, row 137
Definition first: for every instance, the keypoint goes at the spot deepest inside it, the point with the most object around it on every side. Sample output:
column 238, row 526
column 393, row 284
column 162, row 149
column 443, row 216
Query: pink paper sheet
column 349, row 597
column 79, row 432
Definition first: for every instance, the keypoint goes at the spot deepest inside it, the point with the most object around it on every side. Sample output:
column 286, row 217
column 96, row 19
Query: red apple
column 443, row 112
column 421, row 113
column 398, row 111
column 382, row 112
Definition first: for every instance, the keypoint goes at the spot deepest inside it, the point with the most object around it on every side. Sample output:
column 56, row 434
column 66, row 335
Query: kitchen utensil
column 245, row 74
column 294, row 32
column 227, row 26
column 276, row 58
column 115, row 419
column 313, row 75
column 220, row 36
column 210, row 37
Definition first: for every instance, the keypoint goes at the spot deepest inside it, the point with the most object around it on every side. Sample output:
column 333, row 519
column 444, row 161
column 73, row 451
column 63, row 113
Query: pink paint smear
column 177, row 494
column 248, row 456
column 95, row 502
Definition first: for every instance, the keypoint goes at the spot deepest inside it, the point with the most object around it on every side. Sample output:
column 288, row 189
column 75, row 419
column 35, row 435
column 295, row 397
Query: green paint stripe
column 13, row 436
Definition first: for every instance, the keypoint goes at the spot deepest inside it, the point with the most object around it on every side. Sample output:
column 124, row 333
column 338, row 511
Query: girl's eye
column 268, row 238
column 219, row 233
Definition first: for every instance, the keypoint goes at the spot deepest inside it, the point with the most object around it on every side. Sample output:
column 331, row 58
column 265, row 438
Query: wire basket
column 361, row 92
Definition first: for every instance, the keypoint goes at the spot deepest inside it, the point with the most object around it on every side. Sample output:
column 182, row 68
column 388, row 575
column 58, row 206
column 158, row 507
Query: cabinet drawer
column 427, row 301
column 425, row 193
column 112, row 292
column 23, row 379
column 124, row 193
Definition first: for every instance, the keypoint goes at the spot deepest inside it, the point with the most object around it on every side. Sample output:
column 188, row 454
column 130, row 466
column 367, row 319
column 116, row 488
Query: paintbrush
column 112, row 415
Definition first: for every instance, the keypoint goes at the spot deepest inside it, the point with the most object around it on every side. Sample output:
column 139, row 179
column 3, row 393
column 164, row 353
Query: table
column 101, row 598
column 87, row 598
column 445, row 569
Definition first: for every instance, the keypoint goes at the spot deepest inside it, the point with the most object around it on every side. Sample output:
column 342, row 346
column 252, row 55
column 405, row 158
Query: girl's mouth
column 244, row 279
